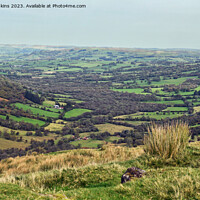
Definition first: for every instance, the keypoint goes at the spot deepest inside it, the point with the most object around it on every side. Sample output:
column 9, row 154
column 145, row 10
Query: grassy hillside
column 96, row 174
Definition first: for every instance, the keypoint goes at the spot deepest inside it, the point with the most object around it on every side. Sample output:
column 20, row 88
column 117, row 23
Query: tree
column 32, row 97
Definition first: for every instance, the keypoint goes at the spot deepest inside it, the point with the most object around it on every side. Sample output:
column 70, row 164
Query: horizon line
column 89, row 46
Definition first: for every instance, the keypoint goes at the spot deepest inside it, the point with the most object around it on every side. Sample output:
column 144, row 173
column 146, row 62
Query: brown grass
column 6, row 144
column 167, row 141
column 73, row 158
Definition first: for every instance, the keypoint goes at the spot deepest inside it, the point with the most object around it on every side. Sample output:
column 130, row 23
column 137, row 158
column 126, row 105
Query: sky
column 104, row 23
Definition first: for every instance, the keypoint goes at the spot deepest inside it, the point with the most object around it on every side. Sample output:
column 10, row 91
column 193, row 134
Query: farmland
column 84, row 97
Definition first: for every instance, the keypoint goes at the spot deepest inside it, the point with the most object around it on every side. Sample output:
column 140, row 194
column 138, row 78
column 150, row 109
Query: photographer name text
column 29, row 6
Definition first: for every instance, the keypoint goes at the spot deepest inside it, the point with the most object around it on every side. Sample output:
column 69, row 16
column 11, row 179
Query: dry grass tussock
column 167, row 141
column 179, row 183
column 69, row 159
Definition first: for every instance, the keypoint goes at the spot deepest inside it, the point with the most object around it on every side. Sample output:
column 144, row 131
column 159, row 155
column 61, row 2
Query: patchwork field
column 95, row 85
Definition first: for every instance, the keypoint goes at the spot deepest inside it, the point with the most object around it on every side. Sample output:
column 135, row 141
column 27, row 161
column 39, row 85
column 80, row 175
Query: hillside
column 72, row 120
column 100, row 179
column 10, row 90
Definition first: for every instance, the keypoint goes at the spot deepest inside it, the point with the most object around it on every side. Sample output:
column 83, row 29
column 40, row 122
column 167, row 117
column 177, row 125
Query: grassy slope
column 164, row 180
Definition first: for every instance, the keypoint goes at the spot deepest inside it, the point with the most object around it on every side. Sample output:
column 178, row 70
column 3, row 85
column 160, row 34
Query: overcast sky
column 110, row 23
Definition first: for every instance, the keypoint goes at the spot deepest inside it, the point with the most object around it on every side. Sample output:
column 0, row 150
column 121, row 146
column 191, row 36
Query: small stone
column 132, row 172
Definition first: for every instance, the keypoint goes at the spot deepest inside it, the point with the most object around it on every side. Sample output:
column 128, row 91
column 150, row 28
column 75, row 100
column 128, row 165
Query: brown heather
column 68, row 159
column 167, row 141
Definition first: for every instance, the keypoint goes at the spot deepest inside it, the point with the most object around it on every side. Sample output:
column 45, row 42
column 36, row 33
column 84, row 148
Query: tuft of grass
column 174, row 183
column 167, row 141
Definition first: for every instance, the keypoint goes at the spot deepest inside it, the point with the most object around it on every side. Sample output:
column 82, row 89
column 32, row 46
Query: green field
column 177, row 109
column 69, row 99
column 2, row 116
column 25, row 119
column 37, row 110
column 197, row 88
column 167, row 102
column 75, row 112
column 48, row 103
column 186, row 93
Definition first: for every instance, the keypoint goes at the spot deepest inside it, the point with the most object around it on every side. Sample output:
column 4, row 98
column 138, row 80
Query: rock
column 132, row 172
